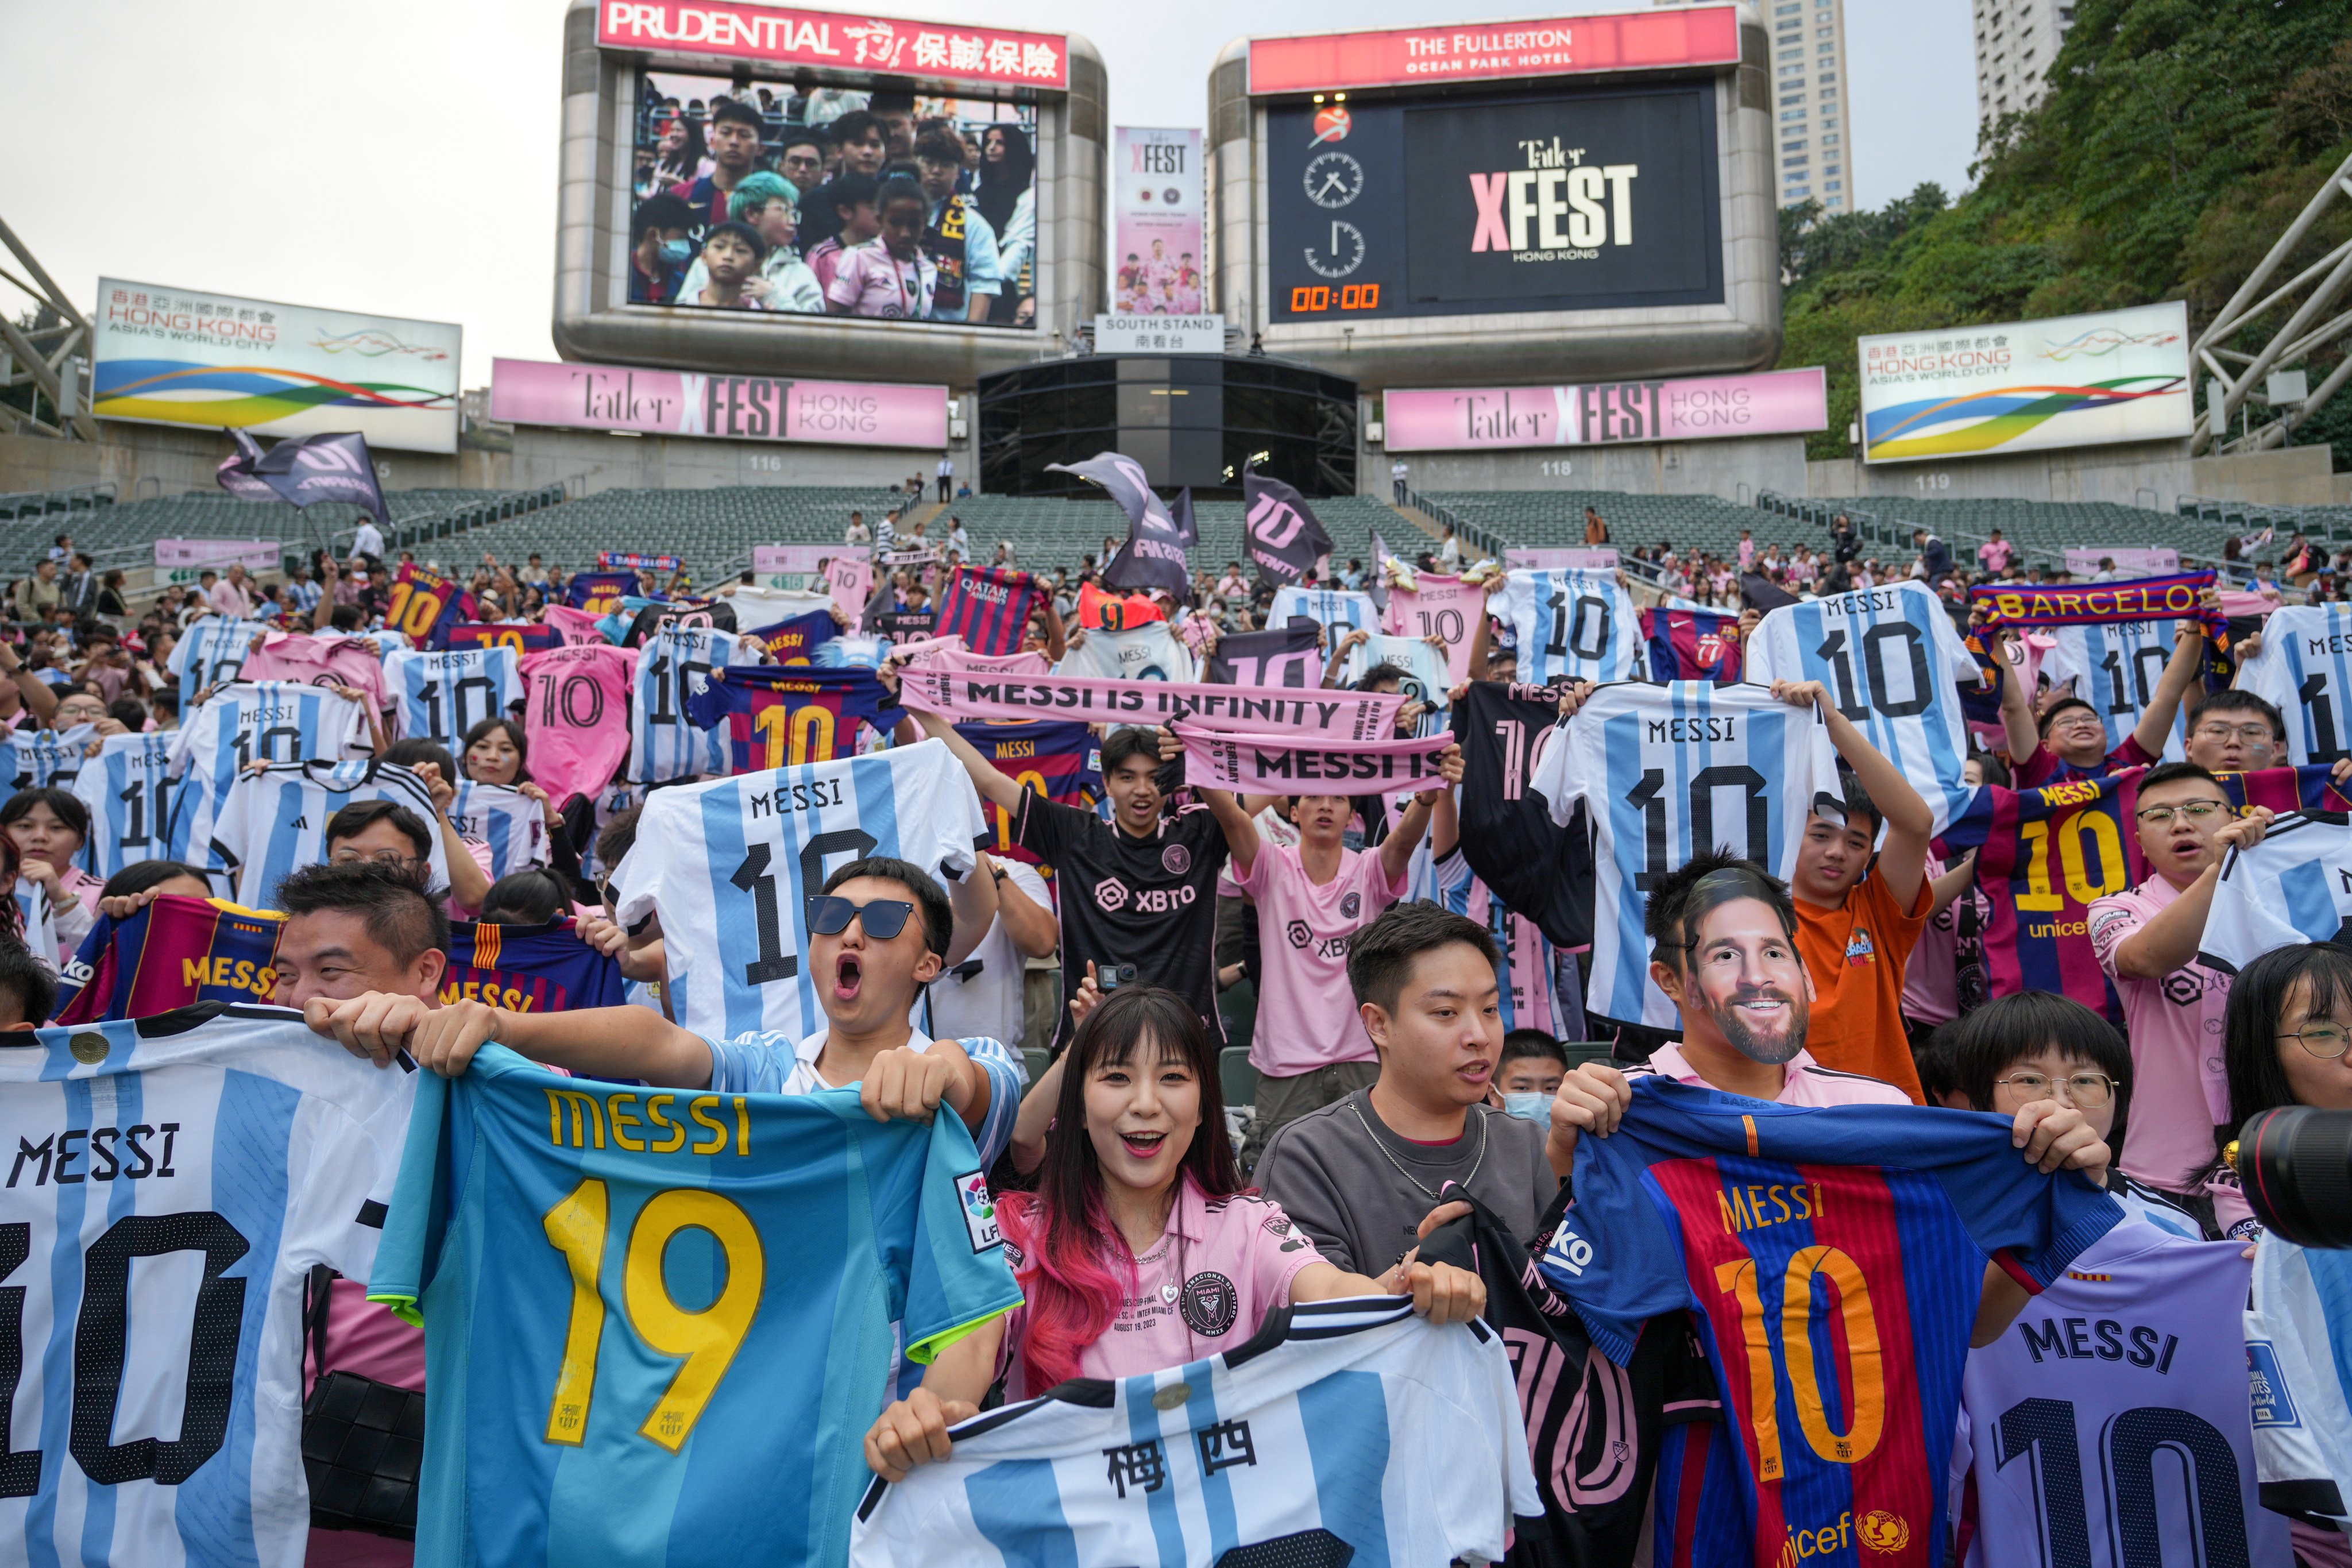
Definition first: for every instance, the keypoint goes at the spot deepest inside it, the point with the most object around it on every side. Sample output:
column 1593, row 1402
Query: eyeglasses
column 2326, row 1041
column 2252, row 735
column 392, row 857
column 2083, row 723
column 829, row 915
column 2088, row 1089
column 2194, row 810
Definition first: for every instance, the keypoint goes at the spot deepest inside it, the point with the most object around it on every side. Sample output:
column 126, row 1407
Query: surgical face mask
column 1533, row 1106
column 676, row 252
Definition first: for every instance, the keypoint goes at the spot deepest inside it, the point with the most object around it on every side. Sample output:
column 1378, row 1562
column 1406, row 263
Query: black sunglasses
column 830, row 914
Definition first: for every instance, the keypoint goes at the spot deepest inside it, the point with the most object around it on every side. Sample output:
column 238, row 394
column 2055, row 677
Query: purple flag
column 1285, row 539
column 1153, row 555
column 305, row 471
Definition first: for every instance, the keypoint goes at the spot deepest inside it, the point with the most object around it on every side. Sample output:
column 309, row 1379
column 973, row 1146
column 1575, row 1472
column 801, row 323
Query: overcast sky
column 399, row 159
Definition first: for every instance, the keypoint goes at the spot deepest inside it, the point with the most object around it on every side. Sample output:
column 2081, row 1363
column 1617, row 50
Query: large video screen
column 1563, row 201
column 885, row 206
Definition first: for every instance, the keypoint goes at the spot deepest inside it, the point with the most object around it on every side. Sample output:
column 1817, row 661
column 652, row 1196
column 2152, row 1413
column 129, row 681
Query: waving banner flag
column 969, row 694
column 304, row 471
column 1153, row 555
column 1287, row 764
column 1287, row 656
column 1285, row 539
column 1378, row 584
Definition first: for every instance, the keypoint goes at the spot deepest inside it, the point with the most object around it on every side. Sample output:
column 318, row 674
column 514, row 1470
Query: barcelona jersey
column 1833, row 1258
column 174, row 952
column 530, row 638
column 776, row 718
column 424, row 607
column 793, row 641
column 529, row 969
column 1061, row 762
column 989, row 607
column 1692, row 645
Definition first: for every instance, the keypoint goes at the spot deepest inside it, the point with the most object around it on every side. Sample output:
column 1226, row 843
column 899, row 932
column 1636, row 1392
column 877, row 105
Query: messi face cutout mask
column 1742, row 968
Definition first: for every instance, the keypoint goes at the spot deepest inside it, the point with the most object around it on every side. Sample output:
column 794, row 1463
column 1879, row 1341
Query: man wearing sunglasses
column 2146, row 938
column 878, row 934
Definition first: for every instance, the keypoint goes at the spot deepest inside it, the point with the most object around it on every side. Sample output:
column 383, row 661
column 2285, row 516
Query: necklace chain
column 1356, row 1106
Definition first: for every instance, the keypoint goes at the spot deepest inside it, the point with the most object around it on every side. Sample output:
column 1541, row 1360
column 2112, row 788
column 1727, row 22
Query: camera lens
column 2295, row 1164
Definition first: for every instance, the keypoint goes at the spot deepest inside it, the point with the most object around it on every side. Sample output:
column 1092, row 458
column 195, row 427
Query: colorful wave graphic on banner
column 239, row 396
column 1984, row 421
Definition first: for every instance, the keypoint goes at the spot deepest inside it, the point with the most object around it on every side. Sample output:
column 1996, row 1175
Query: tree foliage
column 2177, row 139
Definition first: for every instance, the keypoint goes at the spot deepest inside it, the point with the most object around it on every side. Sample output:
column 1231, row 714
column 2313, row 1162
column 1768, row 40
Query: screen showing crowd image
column 824, row 201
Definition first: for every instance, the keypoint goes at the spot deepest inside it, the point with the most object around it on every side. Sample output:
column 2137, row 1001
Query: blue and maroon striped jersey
column 174, row 952
column 526, row 638
column 1692, row 645
column 1061, row 762
column 988, row 606
column 777, row 718
column 1833, row 1256
column 529, row 969
column 793, row 641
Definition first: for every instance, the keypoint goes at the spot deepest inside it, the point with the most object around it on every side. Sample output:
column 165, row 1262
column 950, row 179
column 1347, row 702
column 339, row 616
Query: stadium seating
column 714, row 529
column 120, row 534
column 2043, row 530
column 27, row 505
column 1547, row 519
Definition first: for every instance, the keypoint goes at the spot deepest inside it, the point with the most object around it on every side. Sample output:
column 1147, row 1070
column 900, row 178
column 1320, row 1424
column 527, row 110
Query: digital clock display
column 1313, row 300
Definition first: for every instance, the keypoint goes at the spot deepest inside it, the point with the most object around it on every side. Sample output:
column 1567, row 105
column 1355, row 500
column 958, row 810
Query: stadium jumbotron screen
column 1564, row 201
column 886, row 205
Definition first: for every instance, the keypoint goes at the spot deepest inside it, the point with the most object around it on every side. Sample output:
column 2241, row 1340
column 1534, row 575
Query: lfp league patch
column 979, row 1210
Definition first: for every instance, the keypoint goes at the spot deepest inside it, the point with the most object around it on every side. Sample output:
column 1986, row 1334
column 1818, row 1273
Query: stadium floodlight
column 2304, row 332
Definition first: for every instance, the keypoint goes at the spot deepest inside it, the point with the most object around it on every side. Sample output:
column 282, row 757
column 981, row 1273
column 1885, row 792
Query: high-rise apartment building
column 1809, row 98
column 2016, row 41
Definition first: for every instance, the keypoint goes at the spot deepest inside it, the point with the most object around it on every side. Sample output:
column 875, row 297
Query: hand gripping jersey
column 1692, row 645
column 1540, row 868
column 1344, row 1431
column 2290, row 889
column 174, row 952
column 513, row 823
column 643, row 1306
column 1338, row 612
column 769, row 716
column 574, row 715
column 440, row 696
column 30, row 759
column 275, row 820
column 1893, row 663
column 424, row 605
column 174, row 1180
column 1835, row 1255
column 1440, row 607
column 2109, row 1426
column 209, row 653
column 529, row 969
column 673, row 671
column 730, row 864
column 127, row 789
column 245, row 723
column 2299, row 1349
column 1665, row 770
column 1060, row 761
column 793, row 641
column 1572, row 625
column 2304, row 668
column 2046, row 854
column 988, row 606
column 2115, row 667
column 1593, row 1427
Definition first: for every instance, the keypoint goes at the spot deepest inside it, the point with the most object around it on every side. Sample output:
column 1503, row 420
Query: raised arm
column 1031, row 925
column 2154, row 726
column 603, row 1042
column 998, row 789
column 2017, row 709
column 1396, row 849
column 1241, row 833
column 1903, row 860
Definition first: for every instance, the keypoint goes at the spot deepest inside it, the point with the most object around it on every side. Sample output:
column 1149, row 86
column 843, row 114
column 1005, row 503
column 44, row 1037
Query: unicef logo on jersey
column 1111, row 894
column 979, row 1211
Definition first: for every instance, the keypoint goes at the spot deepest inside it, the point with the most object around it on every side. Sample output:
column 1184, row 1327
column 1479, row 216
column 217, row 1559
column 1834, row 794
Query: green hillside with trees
column 2178, row 139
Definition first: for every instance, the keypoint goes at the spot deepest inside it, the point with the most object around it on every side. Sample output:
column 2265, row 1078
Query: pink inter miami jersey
column 576, row 715
column 2110, row 1425
column 1439, row 606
